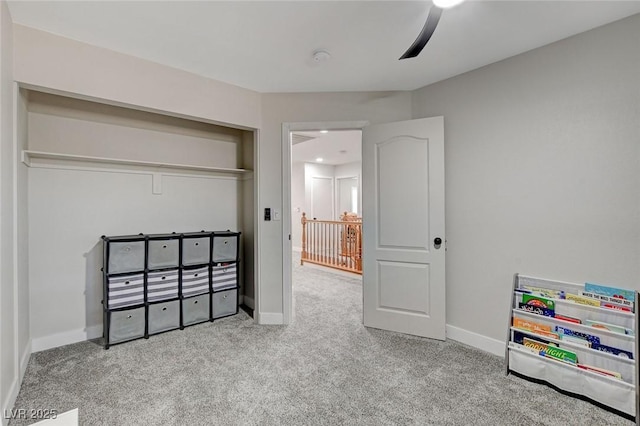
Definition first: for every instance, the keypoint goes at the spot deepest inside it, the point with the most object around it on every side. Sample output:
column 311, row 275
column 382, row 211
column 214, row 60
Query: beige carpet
column 324, row 369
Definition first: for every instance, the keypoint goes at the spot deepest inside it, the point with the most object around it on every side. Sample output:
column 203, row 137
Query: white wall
column 542, row 158
column 64, row 65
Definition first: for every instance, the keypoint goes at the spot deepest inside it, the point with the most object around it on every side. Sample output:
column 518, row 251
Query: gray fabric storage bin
column 126, row 256
column 195, row 281
column 162, row 285
column 164, row 316
column 195, row 251
column 126, row 325
column 195, row 309
column 225, row 303
column 125, row 290
column 225, row 248
column 224, row 277
column 163, row 253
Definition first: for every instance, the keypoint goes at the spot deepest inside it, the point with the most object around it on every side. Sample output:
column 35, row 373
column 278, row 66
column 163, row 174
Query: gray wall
column 542, row 171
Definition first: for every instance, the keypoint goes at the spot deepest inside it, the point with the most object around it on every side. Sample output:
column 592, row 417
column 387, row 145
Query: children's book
column 569, row 319
column 609, row 299
column 569, row 332
column 616, row 306
column 551, row 351
column 606, row 326
column 539, row 301
column 576, row 340
column 530, row 325
column 616, row 293
column 610, row 349
column 536, row 310
column 602, row 371
column 545, row 292
column 583, row 300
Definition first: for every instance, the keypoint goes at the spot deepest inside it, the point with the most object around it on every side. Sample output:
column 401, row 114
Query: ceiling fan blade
column 425, row 34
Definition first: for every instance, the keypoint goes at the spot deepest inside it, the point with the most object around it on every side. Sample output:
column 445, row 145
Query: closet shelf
column 28, row 155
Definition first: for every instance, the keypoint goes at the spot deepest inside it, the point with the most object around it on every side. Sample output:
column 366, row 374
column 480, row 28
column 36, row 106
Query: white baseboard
column 66, row 338
column 14, row 389
column 270, row 318
column 248, row 301
column 24, row 360
column 484, row 343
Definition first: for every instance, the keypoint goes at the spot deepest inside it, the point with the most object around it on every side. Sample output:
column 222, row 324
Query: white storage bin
column 164, row 316
column 195, row 250
column 163, row 253
column 126, row 325
column 225, row 303
column 225, row 247
column 127, row 256
column 195, row 309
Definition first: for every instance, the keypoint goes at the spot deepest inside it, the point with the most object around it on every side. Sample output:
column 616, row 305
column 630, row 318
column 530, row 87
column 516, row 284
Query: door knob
column 437, row 241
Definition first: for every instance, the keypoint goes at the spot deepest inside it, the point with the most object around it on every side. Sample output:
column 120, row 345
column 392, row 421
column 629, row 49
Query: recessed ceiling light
column 319, row 159
column 321, row 55
column 324, row 131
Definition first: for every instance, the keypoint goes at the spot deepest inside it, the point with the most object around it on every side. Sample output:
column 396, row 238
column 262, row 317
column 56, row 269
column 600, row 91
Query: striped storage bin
column 162, row 285
column 224, row 277
column 195, row 281
column 125, row 290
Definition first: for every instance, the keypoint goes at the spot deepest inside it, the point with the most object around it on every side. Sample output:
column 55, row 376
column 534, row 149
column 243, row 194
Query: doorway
column 321, row 178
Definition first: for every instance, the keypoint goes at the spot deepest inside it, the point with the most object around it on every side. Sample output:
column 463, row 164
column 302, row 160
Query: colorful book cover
column 545, row 292
column 616, row 293
column 582, row 299
column 609, row 299
column 569, row 319
column 576, row 340
column 530, row 325
column 568, row 332
column 602, row 371
column 610, row 349
column 539, row 301
column 616, row 307
column 606, row 326
column 536, row 310
column 551, row 351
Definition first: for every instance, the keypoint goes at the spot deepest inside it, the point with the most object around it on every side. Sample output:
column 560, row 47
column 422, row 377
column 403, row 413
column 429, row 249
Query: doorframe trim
column 287, row 128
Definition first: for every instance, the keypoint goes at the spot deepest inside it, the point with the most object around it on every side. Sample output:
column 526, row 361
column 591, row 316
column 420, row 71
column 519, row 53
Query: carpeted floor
column 324, row 369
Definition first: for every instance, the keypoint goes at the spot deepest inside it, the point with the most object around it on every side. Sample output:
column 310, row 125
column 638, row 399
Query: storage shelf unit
column 532, row 335
column 158, row 283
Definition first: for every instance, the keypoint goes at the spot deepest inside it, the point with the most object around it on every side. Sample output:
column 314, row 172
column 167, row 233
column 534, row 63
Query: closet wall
column 203, row 181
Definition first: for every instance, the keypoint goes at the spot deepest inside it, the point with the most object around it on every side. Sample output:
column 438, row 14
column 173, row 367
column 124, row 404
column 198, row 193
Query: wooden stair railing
column 333, row 243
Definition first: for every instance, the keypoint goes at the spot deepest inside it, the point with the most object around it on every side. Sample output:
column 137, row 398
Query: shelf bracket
column 157, row 183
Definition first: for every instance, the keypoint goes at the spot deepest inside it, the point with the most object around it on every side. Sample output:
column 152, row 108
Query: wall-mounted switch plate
column 276, row 214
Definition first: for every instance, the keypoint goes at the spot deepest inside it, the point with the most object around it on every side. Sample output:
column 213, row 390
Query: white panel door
column 403, row 227
column 322, row 198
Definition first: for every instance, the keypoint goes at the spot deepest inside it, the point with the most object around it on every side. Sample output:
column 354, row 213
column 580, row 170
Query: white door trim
column 287, row 128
